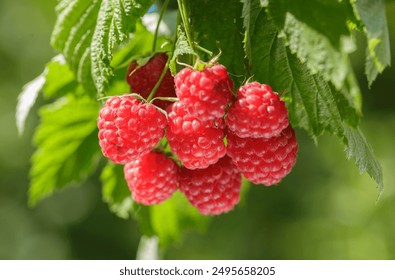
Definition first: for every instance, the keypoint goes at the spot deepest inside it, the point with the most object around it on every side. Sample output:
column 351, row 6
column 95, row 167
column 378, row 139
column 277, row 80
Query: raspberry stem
column 184, row 18
column 135, row 95
column 170, row 99
column 210, row 53
column 162, row 12
column 197, row 62
column 158, row 82
column 162, row 76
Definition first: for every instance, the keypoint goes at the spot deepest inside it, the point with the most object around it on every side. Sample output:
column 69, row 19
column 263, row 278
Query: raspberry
column 143, row 79
column 206, row 93
column 197, row 144
column 213, row 190
column 152, row 178
column 129, row 128
column 264, row 160
column 258, row 112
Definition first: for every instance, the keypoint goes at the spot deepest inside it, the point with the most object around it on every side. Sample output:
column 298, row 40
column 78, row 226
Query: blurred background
column 323, row 210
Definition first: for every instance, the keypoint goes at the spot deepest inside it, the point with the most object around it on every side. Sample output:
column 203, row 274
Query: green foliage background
column 323, row 209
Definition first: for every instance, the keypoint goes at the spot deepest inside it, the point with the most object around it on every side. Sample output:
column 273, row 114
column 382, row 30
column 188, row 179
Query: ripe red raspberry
column 258, row 112
column 264, row 160
column 129, row 128
column 152, row 178
column 213, row 190
column 197, row 144
column 143, row 79
column 206, row 93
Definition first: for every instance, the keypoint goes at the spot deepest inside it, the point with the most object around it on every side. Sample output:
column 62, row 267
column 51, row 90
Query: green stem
column 183, row 11
column 162, row 76
column 162, row 12
column 204, row 50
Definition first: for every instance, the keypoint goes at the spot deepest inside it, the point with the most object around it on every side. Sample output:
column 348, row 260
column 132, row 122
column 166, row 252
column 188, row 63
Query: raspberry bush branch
column 159, row 82
column 162, row 12
column 165, row 70
column 197, row 62
column 185, row 22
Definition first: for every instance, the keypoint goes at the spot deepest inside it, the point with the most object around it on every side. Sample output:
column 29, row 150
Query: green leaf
column 140, row 43
column 251, row 9
column 182, row 48
column 311, row 102
column 358, row 148
column 378, row 53
column 168, row 220
column 349, row 101
column 116, row 192
column 86, row 32
column 67, row 147
column 56, row 80
column 171, row 219
column 142, row 214
column 117, row 195
column 317, row 43
column 326, row 17
column 59, row 79
column 220, row 27
column 72, row 36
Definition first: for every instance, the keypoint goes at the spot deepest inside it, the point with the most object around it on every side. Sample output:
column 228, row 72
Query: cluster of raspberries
column 214, row 136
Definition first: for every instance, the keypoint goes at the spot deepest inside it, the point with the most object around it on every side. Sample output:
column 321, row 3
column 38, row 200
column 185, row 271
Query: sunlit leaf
column 59, row 79
column 26, row 100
